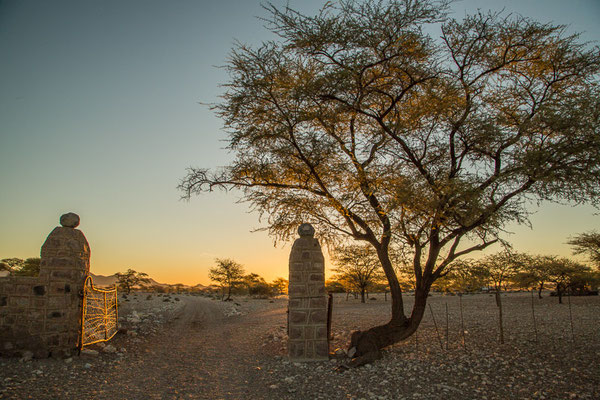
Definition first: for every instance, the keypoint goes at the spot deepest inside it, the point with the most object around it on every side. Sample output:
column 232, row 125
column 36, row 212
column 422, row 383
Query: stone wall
column 43, row 314
column 307, row 320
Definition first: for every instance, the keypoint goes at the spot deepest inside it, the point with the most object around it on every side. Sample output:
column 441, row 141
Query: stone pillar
column 307, row 319
column 42, row 314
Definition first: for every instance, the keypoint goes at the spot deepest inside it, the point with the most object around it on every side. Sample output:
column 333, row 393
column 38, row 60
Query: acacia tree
column 587, row 243
column 465, row 276
column 533, row 272
column 358, row 121
column 358, row 266
column 500, row 268
column 228, row 274
column 128, row 279
column 562, row 272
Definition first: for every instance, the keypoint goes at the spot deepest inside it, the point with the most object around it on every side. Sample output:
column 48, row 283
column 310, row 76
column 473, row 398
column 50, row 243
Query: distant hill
column 102, row 280
column 111, row 280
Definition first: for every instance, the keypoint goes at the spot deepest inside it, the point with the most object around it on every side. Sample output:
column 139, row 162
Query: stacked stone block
column 307, row 320
column 43, row 314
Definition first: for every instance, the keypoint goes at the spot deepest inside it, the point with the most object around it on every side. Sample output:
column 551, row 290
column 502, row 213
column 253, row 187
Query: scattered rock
column 89, row 352
column 109, row 349
column 26, row 356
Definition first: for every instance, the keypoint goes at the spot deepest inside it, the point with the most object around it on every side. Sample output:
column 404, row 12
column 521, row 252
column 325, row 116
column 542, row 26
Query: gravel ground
column 196, row 348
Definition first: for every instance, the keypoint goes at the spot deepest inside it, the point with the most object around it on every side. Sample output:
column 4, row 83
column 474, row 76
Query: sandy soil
column 198, row 348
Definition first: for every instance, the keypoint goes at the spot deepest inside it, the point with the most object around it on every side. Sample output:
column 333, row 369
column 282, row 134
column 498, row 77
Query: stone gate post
column 307, row 319
column 41, row 314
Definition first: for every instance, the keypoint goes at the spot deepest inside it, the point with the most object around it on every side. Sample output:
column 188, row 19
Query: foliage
column 464, row 276
column 564, row 273
column 11, row 264
column 587, row 243
column 280, row 286
column 130, row 278
column 227, row 274
column 360, row 122
column 256, row 285
column 358, row 267
column 19, row 267
column 335, row 286
column 501, row 268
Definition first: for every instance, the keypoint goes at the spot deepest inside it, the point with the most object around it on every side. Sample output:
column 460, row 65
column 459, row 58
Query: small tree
column 19, row 267
column 358, row 266
column 589, row 244
column 500, row 268
column 130, row 278
column 466, row 276
column 533, row 272
column 280, row 285
column 256, row 285
column 562, row 272
column 227, row 274
column 11, row 264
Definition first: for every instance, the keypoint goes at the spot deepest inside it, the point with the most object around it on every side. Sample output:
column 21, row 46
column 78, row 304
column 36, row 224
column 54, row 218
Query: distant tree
column 130, row 278
column 227, row 274
column 500, row 269
column 562, row 272
column 359, row 120
column 589, row 244
column 19, row 267
column 179, row 287
column 280, row 285
column 256, row 285
column 30, row 267
column 334, row 286
column 533, row 272
column 359, row 266
column 11, row 264
column 466, row 276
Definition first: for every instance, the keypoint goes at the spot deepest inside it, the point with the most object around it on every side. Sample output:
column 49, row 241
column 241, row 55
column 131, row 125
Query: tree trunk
column 540, row 290
column 366, row 345
column 500, row 325
column 559, row 293
column 362, row 295
column 369, row 343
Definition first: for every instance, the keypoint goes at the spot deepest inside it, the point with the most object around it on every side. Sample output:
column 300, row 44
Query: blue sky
column 100, row 115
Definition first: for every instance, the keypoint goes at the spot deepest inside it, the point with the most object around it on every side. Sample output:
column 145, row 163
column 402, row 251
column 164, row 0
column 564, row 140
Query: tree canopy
column 360, row 122
column 358, row 266
column 228, row 274
column 587, row 243
column 130, row 278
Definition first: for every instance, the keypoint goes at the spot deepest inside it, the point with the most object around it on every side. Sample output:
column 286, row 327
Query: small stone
column 27, row 356
column 89, row 352
column 69, row 220
column 109, row 349
column 69, row 360
column 87, row 366
column 273, row 387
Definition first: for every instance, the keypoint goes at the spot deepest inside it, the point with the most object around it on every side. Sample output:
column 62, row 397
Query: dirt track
column 201, row 354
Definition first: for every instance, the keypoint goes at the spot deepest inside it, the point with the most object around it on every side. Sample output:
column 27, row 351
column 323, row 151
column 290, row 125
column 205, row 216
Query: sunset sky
column 100, row 115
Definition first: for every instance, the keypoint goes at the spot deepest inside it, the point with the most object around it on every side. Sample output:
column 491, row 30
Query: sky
column 101, row 114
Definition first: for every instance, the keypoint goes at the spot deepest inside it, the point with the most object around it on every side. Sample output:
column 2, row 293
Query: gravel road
column 198, row 348
column 200, row 353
